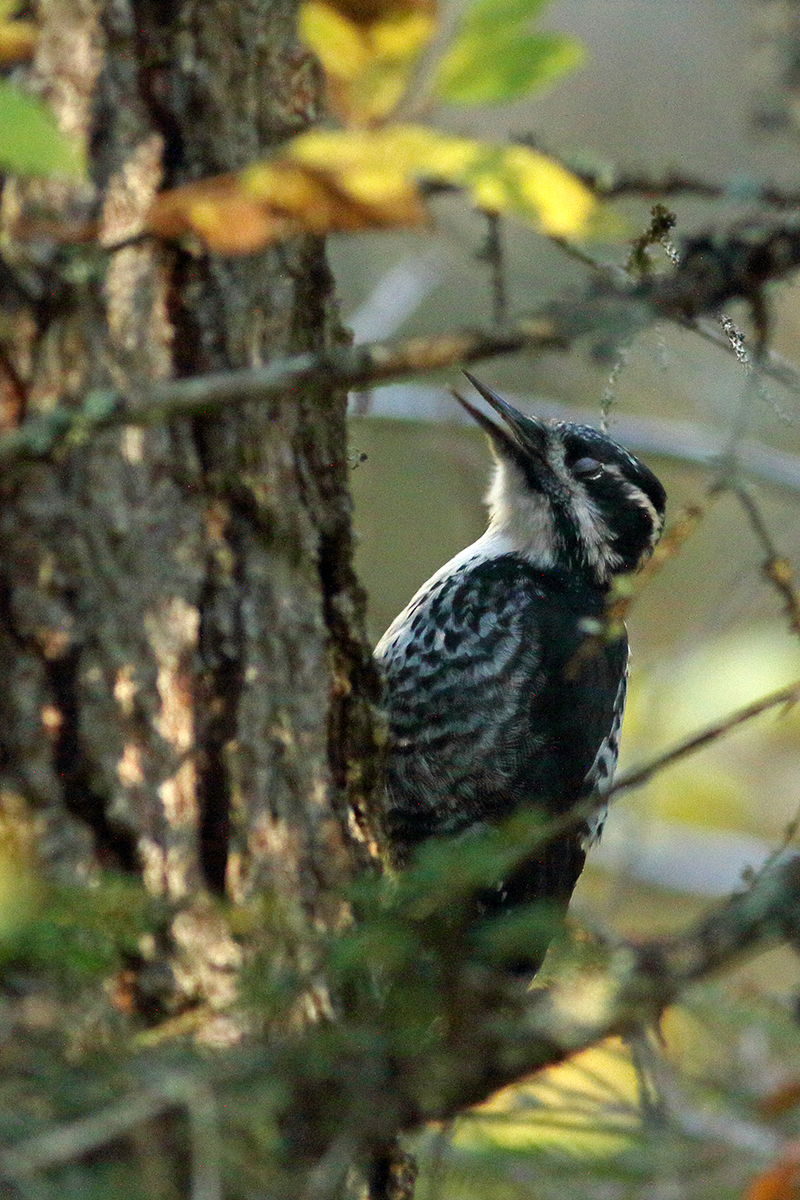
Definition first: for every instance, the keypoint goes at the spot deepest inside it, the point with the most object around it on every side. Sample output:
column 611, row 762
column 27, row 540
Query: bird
column 492, row 706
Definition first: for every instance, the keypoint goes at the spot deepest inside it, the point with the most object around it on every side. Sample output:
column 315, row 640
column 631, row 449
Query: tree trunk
column 184, row 678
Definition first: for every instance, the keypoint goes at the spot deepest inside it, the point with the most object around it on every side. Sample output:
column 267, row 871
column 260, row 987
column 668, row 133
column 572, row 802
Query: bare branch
column 714, row 269
column 640, row 775
column 203, row 395
column 611, row 183
column 776, row 568
column 491, row 253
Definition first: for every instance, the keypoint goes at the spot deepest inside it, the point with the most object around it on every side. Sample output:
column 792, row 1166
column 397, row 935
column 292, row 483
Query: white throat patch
column 525, row 518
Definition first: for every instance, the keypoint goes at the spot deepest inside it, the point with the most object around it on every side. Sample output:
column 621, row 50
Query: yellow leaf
column 565, row 203
column 349, row 193
column 489, row 194
column 402, row 36
column 367, row 64
column 406, row 149
column 327, row 181
column 375, row 94
column 238, row 214
column 280, row 184
column 534, row 187
column 338, row 44
column 500, row 178
column 448, row 158
column 396, row 43
column 373, row 187
column 330, row 149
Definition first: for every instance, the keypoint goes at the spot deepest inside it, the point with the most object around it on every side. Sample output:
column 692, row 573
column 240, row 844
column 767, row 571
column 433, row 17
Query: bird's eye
column 587, row 468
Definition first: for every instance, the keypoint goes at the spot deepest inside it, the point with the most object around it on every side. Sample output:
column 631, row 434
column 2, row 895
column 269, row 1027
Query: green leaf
column 31, row 142
column 494, row 59
column 472, row 73
column 495, row 16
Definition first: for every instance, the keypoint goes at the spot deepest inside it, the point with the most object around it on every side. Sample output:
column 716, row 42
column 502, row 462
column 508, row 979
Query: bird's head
column 566, row 496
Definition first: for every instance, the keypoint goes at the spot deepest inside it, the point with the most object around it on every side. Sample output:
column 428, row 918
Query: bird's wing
column 491, row 704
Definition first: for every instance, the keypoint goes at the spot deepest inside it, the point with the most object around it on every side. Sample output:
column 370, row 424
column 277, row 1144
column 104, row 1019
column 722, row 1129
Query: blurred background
column 664, row 85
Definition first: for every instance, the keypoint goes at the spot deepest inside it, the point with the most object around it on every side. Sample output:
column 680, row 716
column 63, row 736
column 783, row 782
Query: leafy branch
column 354, row 1084
column 638, row 983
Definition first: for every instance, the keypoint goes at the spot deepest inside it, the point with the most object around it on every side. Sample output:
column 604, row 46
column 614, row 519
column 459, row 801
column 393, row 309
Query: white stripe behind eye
column 637, row 496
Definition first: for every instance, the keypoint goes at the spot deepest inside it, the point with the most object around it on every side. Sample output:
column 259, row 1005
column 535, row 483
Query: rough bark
column 182, row 671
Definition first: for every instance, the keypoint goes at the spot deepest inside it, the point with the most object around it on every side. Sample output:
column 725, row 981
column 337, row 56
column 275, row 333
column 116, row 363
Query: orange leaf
column 219, row 213
column 781, row 1181
column 237, row 214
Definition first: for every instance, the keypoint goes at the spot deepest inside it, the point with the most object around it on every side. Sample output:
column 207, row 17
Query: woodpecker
column 491, row 704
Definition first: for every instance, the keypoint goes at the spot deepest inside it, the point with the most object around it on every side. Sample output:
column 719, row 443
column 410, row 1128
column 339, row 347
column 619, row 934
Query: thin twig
column 611, row 182
column 639, row 775
column 776, row 568
column 771, row 364
column 713, row 270
column 632, row 183
column 662, row 222
column 492, row 254
column 72, row 1141
column 609, row 396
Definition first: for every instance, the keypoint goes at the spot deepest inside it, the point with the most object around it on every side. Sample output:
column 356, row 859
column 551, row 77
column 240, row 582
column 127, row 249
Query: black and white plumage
column 491, row 705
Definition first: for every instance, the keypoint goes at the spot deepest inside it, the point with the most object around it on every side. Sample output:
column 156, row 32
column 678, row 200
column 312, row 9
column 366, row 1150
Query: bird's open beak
column 518, row 433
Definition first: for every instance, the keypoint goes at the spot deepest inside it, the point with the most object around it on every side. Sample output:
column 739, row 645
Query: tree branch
column 357, row 1082
column 714, row 269
column 638, row 776
column 637, row 984
column 203, row 395
column 615, row 183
